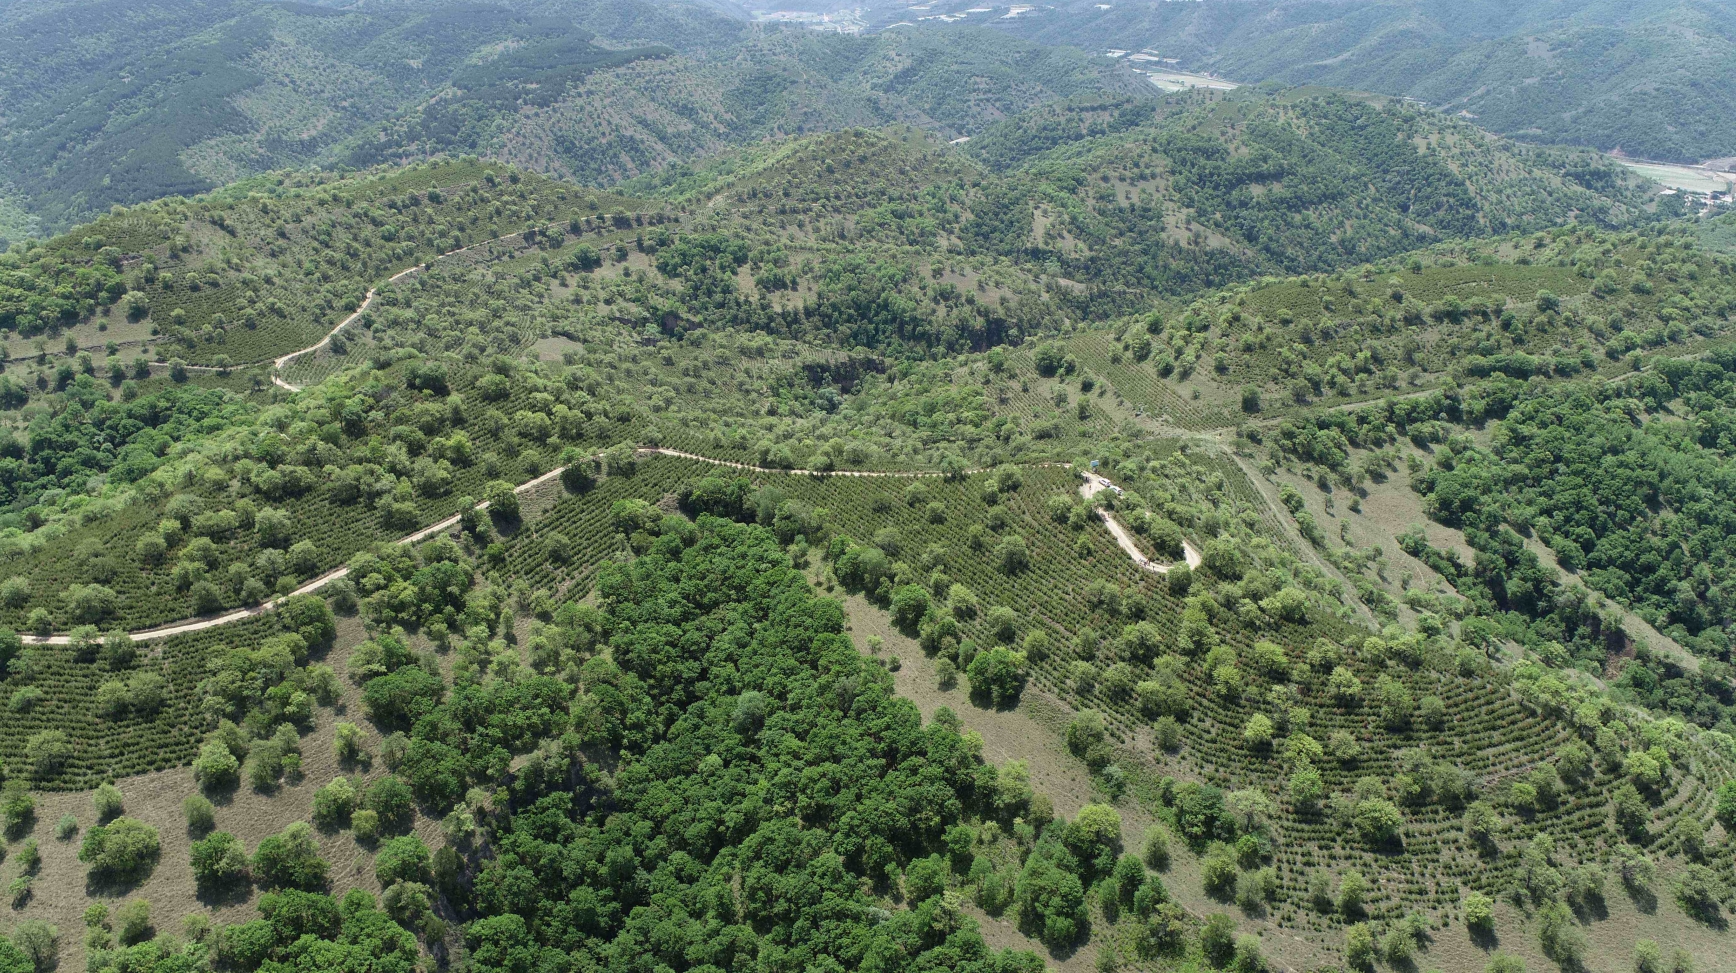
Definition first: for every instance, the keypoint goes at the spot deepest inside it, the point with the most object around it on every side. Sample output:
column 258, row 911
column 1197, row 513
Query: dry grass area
column 92, row 335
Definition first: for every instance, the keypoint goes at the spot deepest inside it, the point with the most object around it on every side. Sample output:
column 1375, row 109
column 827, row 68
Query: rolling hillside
column 1272, row 753
column 218, row 90
column 1640, row 77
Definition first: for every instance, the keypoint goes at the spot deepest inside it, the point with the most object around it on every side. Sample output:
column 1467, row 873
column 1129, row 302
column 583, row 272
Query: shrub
column 1095, row 833
column 1218, row 939
column 347, row 743
column 392, row 801
column 1697, row 890
column 219, row 861
column 1218, row 871
column 1051, row 902
column 924, row 879
column 290, row 859
column 108, row 802
column 39, row 942
column 1359, row 947
column 1155, row 850
column 29, row 857
column 17, row 807
column 25, row 699
column 408, row 902
column 1433, row 712
column 1479, row 912
column 945, row 673
column 404, row 859
column 13, row 959
column 1351, row 890
column 133, row 922
column 502, row 500
column 1306, row 788
column 49, row 751
column 1254, row 889
column 1249, row 959
column 112, row 700
column 121, row 849
column 1320, row 892
column 909, row 605
column 1257, row 732
column 997, row 677
column 66, row 828
column 1379, row 822
column 1561, row 938
column 334, row 803
column 216, row 767
column 365, row 825
column 201, row 816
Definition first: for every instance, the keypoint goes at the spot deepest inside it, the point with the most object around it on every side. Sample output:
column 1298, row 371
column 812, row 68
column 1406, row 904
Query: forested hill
column 646, row 706
column 220, row 89
column 1090, row 209
column 633, row 120
column 1645, row 77
column 1117, row 201
column 1289, row 184
column 217, row 90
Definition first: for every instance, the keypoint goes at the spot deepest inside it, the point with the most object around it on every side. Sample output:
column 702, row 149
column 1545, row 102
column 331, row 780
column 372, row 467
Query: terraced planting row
column 319, row 270
column 585, row 523
column 1486, row 732
column 1141, row 386
column 149, row 594
column 104, row 748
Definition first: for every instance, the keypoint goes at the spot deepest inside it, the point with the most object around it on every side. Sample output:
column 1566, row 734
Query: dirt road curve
column 367, row 301
column 1092, row 485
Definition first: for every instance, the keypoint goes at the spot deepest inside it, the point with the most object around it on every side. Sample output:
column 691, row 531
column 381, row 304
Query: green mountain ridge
column 1637, row 77
column 1319, row 786
column 637, row 490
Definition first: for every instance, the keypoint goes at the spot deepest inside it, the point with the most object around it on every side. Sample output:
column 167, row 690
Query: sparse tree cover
column 620, row 719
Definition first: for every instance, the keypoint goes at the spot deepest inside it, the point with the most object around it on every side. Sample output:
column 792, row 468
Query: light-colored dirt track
column 1094, row 485
column 200, row 624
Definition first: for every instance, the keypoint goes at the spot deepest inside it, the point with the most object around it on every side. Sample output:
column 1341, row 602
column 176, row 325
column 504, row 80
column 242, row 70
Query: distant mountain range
column 1647, row 77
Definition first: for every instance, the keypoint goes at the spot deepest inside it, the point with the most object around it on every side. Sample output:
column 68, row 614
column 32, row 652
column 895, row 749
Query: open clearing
column 1691, row 179
column 1182, row 81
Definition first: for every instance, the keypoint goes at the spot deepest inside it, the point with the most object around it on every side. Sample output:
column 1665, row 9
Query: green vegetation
column 1633, row 76
column 578, row 680
column 220, row 91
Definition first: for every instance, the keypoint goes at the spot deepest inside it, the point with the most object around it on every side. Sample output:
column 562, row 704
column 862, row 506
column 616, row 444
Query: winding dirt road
column 367, row 302
column 1093, row 484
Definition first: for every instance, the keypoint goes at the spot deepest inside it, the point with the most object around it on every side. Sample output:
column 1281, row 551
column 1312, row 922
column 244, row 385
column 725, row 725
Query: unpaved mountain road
column 1093, row 484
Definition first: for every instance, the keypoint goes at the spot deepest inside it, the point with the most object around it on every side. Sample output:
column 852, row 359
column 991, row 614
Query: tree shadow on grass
column 111, row 884
column 1644, row 899
column 218, row 894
